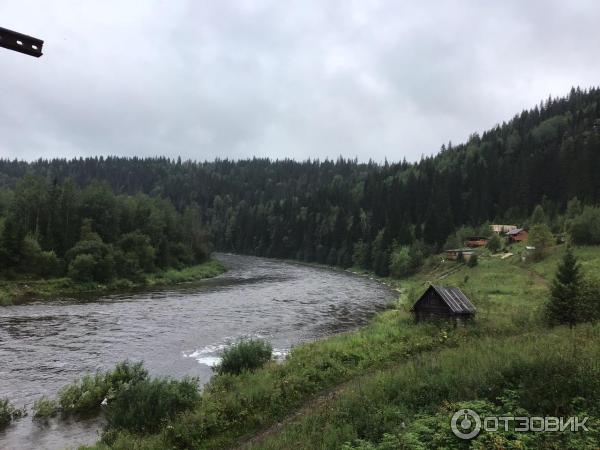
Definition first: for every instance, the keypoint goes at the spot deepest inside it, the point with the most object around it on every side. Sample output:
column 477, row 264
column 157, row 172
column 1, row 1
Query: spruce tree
column 565, row 301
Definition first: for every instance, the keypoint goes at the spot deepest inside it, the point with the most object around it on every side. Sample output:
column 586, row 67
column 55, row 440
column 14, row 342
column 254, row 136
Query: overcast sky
column 323, row 78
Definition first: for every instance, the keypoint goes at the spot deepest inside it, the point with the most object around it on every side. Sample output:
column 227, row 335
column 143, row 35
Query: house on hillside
column 501, row 229
column 455, row 254
column 443, row 302
column 517, row 235
column 476, row 241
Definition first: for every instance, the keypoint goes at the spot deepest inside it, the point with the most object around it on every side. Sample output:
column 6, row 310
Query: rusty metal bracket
column 20, row 42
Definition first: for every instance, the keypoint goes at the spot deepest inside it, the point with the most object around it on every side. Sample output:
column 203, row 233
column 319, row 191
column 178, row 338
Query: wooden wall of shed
column 431, row 305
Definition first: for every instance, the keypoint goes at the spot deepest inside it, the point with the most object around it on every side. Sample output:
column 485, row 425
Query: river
column 176, row 331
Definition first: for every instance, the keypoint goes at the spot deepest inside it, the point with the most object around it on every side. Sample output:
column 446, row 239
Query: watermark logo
column 467, row 424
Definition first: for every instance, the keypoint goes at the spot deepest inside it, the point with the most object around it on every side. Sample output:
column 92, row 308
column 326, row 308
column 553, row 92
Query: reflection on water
column 175, row 331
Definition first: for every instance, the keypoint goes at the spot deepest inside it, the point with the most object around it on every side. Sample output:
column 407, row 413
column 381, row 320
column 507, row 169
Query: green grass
column 245, row 355
column 19, row 290
column 394, row 382
column 45, row 408
column 233, row 406
column 533, row 374
column 8, row 412
column 209, row 269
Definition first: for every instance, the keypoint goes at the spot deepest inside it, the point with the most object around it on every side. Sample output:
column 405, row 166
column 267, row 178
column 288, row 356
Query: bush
column 5, row 299
column 494, row 244
column 82, row 268
column 8, row 412
column 88, row 393
column 145, row 405
column 97, row 263
column 44, row 408
column 541, row 238
column 590, row 299
column 124, row 375
column 36, row 261
column 138, row 247
column 83, row 395
column 400, row 262
column 245, row 355
column 406, row 260
column 473, row 261
column 585, row 228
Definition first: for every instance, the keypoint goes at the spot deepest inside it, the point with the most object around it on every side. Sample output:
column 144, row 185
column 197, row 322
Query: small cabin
column 443, row 302
column 476, row 241
column 455, row 254
column 517, row 235
column 498, row 228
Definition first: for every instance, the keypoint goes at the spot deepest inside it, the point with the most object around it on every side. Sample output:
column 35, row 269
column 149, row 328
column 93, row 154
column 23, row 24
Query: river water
column 176, row 331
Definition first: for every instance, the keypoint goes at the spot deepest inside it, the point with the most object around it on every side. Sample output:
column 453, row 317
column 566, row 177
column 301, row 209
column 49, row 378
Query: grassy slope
column 409, row 406
column 341, row 376
column 16, row 291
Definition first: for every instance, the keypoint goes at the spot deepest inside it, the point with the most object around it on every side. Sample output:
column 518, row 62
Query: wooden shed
column 498, row 228
column 443, row 301
column 458, row 253
column 476, row 241
column 517, row 235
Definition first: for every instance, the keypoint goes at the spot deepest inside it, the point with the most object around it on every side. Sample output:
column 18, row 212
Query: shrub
column 82, row 268
column 88, row 393
column 541, row 238
column 585, row 228
column 406, row 260
column 36, row 261
column 590, row 299
column 145, row 405
column 44, row 408
column 8, row 412
column 494, row 244
column 137, row 247
column 97, row 263
column 245, row 355
column 83, row 395
column 5, row 299
column 124, row 375
column 473, row 261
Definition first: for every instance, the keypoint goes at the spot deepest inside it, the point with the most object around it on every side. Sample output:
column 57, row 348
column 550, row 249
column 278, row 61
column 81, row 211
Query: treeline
column 344, row 212
column 52, row 228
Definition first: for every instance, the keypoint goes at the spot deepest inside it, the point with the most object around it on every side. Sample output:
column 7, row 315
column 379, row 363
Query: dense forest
column 50, row 228
column 336, row 212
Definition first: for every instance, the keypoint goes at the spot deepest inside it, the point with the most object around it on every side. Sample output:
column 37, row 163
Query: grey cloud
column 205, row 79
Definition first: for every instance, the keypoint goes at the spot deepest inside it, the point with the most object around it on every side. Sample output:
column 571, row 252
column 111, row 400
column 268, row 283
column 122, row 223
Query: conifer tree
column 564, row 307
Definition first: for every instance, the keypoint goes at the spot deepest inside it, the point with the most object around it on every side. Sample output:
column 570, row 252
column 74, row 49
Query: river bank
column 396, row 383
column 176, row 331
column 20, row 291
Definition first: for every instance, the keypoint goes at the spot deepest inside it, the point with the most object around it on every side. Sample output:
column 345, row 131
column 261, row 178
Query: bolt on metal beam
column 20, row 42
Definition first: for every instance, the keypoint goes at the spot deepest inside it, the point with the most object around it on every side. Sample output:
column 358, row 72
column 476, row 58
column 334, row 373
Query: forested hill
column 333, row 212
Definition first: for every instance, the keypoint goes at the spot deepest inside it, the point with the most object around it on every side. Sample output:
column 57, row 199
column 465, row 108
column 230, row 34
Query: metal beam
column 20, row 42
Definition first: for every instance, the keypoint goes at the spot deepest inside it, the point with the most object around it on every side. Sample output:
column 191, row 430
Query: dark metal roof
column 515, row 231
column 456, row 300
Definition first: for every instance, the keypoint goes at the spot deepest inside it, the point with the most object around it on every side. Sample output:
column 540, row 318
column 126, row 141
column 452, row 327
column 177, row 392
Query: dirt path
column 537, row 278
column 306, row 409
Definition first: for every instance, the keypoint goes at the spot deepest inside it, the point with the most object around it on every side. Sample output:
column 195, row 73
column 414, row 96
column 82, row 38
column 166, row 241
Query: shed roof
column 456, row 300
column 515, row 231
